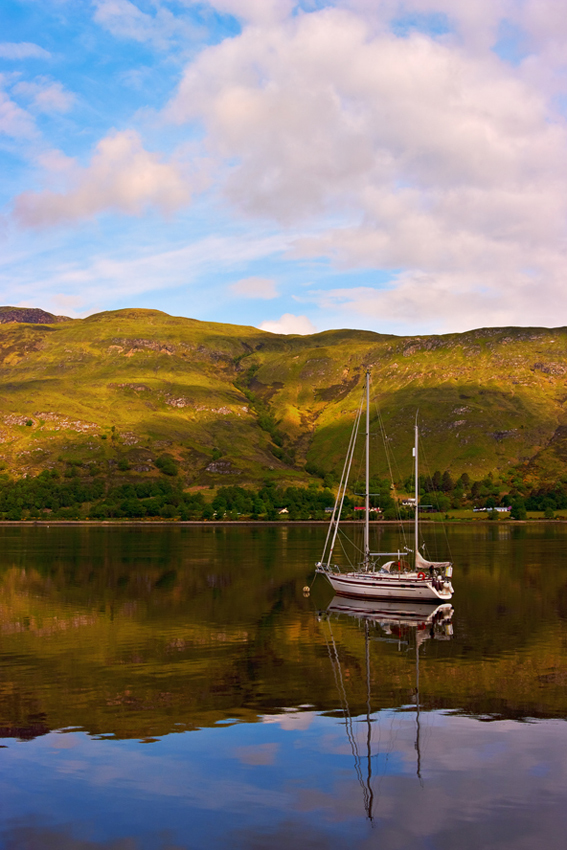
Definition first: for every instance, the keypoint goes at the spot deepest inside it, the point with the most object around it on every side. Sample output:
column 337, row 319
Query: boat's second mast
column 416, row 493
column 367, row 478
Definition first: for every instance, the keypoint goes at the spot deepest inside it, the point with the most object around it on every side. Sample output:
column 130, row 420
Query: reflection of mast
column 417, row 730
column 369, row 730
column 367, row 792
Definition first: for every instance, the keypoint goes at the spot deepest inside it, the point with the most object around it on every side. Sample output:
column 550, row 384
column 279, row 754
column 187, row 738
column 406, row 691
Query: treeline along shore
column 48, row 496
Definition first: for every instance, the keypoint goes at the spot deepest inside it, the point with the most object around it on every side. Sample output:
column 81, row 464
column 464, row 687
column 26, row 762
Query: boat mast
column 367, row 477
column 416, row 475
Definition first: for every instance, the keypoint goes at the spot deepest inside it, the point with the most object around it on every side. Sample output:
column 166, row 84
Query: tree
column 518, row 509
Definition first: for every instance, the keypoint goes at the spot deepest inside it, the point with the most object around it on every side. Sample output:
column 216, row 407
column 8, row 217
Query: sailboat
column 382, row 575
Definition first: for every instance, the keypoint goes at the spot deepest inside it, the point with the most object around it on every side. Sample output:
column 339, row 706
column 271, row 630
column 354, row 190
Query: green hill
column 230, row 404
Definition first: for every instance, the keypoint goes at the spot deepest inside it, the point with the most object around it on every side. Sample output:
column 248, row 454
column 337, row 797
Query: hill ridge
column 232, row 402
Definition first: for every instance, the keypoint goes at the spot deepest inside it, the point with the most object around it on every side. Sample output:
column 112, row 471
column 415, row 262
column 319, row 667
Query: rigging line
column 388, row 748
column 341, row 493
column 385, row 441
column 340, row 506
column 427, row 728
column 358, row 477
column 428, row 469
column 354, row 545
column 335, row 516
column 429, row 724
column 398, row 509
column 344, row 705
column 389, row 457
column 344, row 700
column 345, row 553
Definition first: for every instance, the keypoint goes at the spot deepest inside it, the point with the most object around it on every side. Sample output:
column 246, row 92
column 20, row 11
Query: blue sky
column 384, row 165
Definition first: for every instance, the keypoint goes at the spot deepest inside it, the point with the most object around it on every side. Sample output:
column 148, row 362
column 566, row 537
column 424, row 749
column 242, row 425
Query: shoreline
column 219, row 523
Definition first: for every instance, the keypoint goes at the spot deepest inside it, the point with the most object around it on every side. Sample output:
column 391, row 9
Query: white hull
column 380, row 586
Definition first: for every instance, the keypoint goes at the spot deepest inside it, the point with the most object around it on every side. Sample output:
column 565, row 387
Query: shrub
column 166, row 464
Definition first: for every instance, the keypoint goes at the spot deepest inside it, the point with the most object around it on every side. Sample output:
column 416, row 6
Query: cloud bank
column 442, row 160
column 425, row 140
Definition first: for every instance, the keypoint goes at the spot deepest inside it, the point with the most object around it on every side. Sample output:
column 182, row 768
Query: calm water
column 173, row 688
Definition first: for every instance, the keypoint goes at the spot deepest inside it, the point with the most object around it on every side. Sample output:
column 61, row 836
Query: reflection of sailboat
column 392, row 613
column 386, row 579
column 398, row 619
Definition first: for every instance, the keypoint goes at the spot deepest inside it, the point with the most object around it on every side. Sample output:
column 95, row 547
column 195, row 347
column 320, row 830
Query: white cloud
column 125, row 20
column 122, row 176
column 255, row 287
column 15, row 122
column 422, row 153
column 22, row 50
column 47, row 96
column 56, row 163
column 66, row 305
column 291, row 720
column 256, row 11
column 290, row 324
column 425, row 302
column 95, row 281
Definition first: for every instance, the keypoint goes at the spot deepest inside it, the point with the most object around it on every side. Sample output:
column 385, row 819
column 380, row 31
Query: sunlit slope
column 487, row 399
column 235, row 404
column 161, row 383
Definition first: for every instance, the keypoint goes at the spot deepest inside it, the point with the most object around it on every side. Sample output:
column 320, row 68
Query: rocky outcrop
column 29, row 316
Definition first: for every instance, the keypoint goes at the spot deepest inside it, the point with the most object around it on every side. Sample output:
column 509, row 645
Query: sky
column 393, row 166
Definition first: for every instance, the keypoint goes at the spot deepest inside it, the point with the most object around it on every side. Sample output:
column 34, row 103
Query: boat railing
column 387, row 554
column 320, row 567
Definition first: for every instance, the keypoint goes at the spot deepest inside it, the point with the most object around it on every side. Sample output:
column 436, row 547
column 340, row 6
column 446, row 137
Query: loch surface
column 169, row 687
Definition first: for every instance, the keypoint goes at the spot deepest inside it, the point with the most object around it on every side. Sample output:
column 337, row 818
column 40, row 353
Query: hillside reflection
column 137, row 633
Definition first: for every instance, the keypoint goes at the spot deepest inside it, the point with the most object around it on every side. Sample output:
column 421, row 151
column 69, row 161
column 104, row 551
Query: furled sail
column 422, row 563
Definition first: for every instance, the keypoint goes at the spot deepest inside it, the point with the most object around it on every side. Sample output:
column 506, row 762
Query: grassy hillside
column 230, row 404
